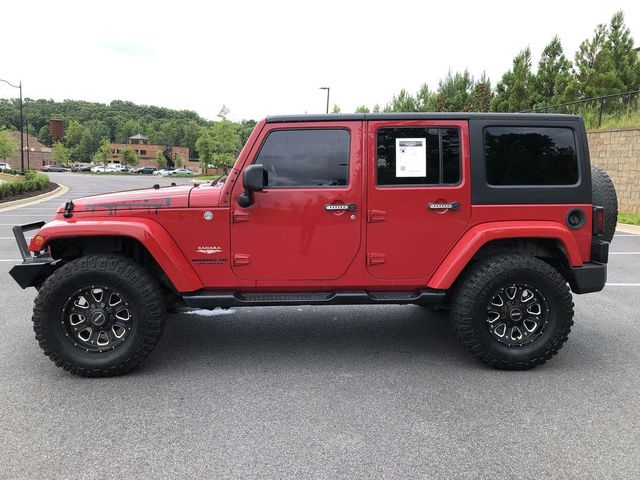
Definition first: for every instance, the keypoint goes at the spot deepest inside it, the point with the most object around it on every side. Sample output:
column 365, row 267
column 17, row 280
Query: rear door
column 306, row 223
column 419, row 200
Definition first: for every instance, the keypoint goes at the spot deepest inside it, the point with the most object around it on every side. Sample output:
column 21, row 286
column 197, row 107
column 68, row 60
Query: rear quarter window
column 530, row 156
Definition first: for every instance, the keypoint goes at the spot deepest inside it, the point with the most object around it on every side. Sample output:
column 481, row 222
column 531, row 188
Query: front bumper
column 34, row 269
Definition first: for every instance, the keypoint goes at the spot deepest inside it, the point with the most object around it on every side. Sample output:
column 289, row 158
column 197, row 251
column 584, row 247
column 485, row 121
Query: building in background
column 35, row 153
column 147, row 153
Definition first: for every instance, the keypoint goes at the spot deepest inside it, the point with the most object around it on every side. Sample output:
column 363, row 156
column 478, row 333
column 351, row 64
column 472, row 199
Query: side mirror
column 254, row 178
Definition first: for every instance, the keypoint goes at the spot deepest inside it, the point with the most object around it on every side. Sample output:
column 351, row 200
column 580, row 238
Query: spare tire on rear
column 604, row 195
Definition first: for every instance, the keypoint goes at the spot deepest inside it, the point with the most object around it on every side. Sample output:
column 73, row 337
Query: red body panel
column 148, row 232
column 286, row 241
column 147, row 199
column 407, row 240
column 288, row 235
column 477, row 236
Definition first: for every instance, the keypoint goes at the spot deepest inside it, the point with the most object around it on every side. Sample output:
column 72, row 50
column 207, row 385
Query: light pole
column 21, row 124
column 327, row 89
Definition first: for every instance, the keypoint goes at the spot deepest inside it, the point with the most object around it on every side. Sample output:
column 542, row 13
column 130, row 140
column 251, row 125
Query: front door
column 306, row 223
column 419, row 200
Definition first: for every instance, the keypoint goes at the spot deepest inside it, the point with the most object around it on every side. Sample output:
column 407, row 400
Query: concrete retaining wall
column 617, row 151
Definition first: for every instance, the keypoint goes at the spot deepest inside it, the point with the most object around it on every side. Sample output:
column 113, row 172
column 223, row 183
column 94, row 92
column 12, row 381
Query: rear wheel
column 511, row 311
column 99, row 315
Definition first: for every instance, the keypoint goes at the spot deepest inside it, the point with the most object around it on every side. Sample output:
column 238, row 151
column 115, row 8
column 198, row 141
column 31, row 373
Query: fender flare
column 148, row 232
column 479, row 235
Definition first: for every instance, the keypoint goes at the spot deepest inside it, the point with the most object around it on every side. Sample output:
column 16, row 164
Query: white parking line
column 622, row 284
column 14, row 260
column 624, row 253
column 627, row 235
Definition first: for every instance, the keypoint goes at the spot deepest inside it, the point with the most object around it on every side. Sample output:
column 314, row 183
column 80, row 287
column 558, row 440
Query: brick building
column 35, row 153
column 147, row 153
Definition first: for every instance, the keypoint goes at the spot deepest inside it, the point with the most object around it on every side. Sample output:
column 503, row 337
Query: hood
column 150, row 199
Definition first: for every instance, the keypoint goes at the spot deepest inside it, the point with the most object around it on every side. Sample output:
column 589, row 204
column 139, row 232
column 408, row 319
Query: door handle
column 345, row 207
column 444, row 206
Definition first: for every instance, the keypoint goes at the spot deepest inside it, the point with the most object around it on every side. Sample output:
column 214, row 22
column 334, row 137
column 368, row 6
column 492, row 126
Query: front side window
column 418, row 156
column 530, row 156
column 306, row 158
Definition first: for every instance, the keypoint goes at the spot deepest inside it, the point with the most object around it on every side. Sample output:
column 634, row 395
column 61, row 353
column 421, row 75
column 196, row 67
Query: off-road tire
column 117, row 272
column 604, row 195
column 474, row 291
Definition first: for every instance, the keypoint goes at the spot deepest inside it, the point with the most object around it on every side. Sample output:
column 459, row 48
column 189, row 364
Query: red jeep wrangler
column 492, row 216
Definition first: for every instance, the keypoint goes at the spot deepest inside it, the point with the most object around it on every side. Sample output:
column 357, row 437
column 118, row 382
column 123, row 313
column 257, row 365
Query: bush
column 33, row 182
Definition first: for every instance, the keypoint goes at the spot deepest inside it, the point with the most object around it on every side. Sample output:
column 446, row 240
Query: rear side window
column 530, row 156
column 418, row 156
column 306, row 158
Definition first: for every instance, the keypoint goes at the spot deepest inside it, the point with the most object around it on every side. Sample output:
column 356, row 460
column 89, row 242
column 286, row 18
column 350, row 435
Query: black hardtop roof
column 342, row 117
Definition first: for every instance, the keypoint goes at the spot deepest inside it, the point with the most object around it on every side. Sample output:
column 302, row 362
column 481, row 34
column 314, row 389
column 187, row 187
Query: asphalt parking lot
column 322, row 392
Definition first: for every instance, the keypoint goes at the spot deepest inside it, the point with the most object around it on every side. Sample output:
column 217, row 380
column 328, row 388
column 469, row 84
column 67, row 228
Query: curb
column 23, row 202
column 626, row 228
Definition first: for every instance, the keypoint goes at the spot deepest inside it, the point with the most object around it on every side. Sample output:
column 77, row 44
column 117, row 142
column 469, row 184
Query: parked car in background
column 182, row 171
column 144, row 170
column 5, row 166
column 55, row 168
column 164, row 172
column 81, row 167
column 103, row 169
column 118, row 167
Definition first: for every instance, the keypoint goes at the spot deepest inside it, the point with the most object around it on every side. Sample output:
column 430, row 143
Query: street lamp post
column 327, row 89
column 19, row 86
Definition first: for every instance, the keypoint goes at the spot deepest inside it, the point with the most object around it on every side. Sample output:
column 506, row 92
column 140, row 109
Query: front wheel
column 513, row 312
column 99, row 315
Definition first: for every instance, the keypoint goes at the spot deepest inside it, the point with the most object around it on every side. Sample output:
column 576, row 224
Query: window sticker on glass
column 411, row 154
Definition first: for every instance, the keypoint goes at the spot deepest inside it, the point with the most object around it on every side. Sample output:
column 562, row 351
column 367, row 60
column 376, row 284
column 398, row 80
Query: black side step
column 213, row 299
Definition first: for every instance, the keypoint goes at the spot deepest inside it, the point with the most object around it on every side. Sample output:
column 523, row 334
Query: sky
column 264, row 58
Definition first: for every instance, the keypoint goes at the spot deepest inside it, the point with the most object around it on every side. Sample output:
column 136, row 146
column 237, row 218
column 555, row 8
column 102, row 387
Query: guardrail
column 595, row 109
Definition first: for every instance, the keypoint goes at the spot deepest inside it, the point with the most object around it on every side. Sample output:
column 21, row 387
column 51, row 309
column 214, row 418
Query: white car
column 103, row 169
column 182, row 171
column 164, row 172
column 5, row 166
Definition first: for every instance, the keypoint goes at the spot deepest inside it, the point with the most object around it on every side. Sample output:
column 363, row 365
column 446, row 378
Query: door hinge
column 241, row 259
column 239, row 216
column 376, row 216
column 375, row 258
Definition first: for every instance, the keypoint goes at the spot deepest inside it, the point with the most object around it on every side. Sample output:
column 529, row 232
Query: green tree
column 593, row 71
column 8, row 146
column 219, row 144
column 126, row 129
column 362, row 109
column 481, row 95
column 244, row 130
column 60, row 153
column 454, row 92
column 335, row 109
column 553, row 76
column 624, row 58
column 403, row 102
column 103, row 152
column 190, row 134
column 177, row 159
column 425, row 100
column 515, row 91
column 43, row 135
column 129, row 156
column 205, row 146
column 161, row 162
